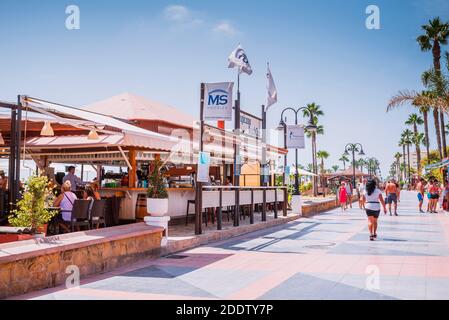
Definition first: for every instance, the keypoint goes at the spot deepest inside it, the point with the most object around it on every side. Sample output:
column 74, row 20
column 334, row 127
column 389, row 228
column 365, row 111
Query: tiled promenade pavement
column 327, row 257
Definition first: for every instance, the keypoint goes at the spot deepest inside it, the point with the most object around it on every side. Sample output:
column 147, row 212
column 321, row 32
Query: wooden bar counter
column 133, row 201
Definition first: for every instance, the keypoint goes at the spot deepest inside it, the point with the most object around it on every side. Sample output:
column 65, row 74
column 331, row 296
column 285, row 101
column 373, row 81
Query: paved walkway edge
column 175, row 246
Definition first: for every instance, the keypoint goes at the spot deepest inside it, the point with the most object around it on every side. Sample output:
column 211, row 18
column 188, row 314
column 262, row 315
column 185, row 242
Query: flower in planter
column 32, row 210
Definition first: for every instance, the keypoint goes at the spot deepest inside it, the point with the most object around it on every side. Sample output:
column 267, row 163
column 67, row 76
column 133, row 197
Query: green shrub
column 32, row 210
column 305, row 187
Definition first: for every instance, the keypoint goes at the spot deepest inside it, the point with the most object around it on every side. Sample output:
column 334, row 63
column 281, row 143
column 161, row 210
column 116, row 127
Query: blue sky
column 319, row 51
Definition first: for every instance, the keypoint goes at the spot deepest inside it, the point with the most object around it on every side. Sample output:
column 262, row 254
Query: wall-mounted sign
column 238, row 166
column 218, row 101
column 287, row 175
column 295, row 137
column 203, row 167
column 250, row 125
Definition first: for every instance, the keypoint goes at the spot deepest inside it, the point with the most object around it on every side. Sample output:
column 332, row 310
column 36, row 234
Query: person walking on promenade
column 361, row 188
column 373, row 198
column 392, row 193
column 445, row 196
column 349, row 194
column 429, row 196
column 420, row 187
column 343, row 195
column 434, row 191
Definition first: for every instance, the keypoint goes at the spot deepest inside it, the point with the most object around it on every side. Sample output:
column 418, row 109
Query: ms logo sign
column 217, row 101
column 218, row 97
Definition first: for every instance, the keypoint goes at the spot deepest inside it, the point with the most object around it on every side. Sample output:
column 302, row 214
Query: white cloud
column 177, row 13
column 182, row 16
column 185, row 18
column 226, row 28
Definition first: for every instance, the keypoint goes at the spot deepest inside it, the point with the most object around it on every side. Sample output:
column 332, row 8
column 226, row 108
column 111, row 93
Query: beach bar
column 128, row 133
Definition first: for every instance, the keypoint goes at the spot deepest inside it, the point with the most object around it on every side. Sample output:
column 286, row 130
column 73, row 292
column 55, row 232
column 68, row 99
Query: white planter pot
column 157, row 207
column 39, row 236
column 297, row 204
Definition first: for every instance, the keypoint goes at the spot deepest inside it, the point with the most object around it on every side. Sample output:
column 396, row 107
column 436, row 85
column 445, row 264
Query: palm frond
column 403, row 97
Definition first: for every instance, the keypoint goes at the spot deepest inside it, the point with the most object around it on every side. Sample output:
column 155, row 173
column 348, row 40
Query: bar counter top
column 143, row 189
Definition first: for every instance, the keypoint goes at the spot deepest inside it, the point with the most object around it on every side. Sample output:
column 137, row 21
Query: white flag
column 272, row 96
column 239, row 59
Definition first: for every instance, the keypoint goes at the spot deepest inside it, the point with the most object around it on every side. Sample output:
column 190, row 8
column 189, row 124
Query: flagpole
column 237, row 153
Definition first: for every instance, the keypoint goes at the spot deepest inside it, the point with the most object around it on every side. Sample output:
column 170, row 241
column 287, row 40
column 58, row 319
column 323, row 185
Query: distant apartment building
column 414, row 159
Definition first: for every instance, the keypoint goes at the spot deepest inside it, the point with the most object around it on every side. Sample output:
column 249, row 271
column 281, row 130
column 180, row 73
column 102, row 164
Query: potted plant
column 157, row 196
column 32, row 210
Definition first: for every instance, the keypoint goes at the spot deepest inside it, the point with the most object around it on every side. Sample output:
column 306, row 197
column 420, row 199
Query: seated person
column 65, row 201
column 89, row 194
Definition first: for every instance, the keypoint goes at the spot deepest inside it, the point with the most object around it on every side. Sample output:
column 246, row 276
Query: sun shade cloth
column 72, row 142
column 132, row 107
column 96, row 121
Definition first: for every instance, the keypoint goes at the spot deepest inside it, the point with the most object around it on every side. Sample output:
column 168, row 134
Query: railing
column 223, row 196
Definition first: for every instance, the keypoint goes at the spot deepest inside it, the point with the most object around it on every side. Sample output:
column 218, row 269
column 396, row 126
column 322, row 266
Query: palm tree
column 335, row 168
column 415, row 120
column 427, row 80
column 372, row 164
column 344, row 159
column 436, row 33
column 398, row 164
column 393, row 170
column 322, row 155
column 361, row 164
column 408, row 137
column 422, row 101
column 438, row 83
column 403, row 144
column 420, row 139
column 316, row 112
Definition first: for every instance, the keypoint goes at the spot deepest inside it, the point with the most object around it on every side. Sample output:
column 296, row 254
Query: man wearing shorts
column 420, row 187
column 391, row 192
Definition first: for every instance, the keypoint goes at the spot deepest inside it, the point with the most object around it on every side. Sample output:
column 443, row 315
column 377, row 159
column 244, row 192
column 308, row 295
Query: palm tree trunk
column 443, row 134
column 426, row 134
column 418, row 150
column 314, row 164
column 437, row 131
column 405, row 166
column 408, row 164
column 398, row 168
column 436, row 52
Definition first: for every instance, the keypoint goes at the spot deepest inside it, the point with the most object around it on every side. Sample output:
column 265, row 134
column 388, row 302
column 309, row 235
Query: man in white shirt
column 361, row 189
column 74, row 180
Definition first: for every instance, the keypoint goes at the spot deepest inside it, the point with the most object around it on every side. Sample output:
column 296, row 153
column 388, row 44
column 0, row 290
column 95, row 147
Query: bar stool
column 189, row 202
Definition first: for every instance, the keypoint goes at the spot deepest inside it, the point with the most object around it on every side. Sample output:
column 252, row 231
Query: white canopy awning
column 104, row 141
column 91, row 120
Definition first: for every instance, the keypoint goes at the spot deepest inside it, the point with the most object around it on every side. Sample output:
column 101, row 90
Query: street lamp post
column 283, row 126
column 353, row 147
